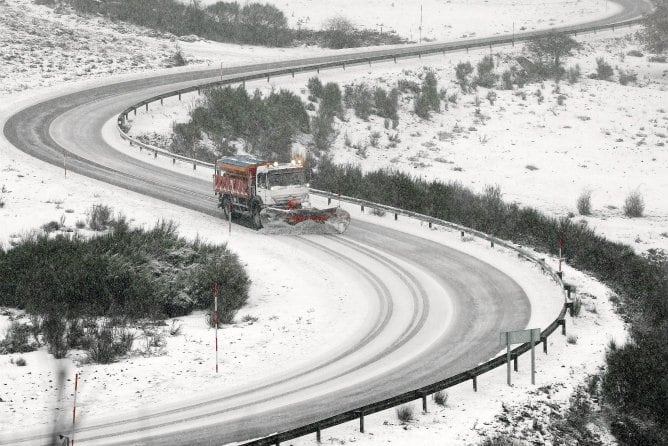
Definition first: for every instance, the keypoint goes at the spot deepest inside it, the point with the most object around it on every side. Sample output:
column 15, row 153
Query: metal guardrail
column 471, row 374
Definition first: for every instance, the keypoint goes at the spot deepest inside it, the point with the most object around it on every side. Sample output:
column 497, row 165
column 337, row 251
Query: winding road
column 436, row 311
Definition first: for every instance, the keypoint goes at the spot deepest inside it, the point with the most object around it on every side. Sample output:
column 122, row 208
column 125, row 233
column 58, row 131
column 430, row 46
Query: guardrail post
column 424, row 403
column 344, row 65
column 198, row 92
column 179, row 96
column 396, row 217
column 194, row 166
column 173, row 160
column 369, row 62
column 543, row 339
column 317, row 434
column 147, row 106
column 419, row 55
column 361, row 415
column 462, row 232
column 515, row 362
column 267, row 78
column 569, row 305
column 293, row 73
column 155, row 154
column 562, row 322
column 317, row 70
column 135, row 111
column 395, row 59
column 429, row 225
column 491, row 243
column 362, row 207
column 160, row 101
column 329, row 201
column 475, row 383
column 560, row 274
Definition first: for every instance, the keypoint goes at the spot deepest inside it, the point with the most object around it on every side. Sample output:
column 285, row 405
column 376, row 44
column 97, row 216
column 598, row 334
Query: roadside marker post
column 561, row 245
column 74, row 407
column 229, row 218
column 215, row 319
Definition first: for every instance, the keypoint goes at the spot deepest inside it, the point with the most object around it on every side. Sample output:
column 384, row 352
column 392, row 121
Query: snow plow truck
column 270, row 194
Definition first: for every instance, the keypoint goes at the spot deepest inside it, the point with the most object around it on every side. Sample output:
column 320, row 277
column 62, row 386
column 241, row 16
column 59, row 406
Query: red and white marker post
column 74, row 408
column 229, row 214
column 215, row 319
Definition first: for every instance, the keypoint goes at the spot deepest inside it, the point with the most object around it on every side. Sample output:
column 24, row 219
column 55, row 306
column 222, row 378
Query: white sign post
column 520, row 337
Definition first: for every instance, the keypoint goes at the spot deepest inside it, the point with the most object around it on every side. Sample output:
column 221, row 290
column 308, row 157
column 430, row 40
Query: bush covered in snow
column 136, row 273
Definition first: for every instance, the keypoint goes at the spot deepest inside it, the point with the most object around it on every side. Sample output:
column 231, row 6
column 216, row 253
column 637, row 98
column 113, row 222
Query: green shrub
column 137, row 273
column 17, row 339
column 603, row 69
column 573, row 74
column 441, row 398
column 634, row 205
column 359, row 98
column 314, row 86
column 584, row 203
column 332, row 100
column 463, row 72
column 627, row 76
column 99, row 217
column 405, row 414
column 21, row 362
column 486, row 77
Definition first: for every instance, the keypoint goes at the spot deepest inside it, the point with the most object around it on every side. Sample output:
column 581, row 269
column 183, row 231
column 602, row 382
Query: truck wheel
column 255, row 216
column 225, row 204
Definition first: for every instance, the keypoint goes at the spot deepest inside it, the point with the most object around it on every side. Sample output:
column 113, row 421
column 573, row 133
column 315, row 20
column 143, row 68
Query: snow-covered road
column 432, row 311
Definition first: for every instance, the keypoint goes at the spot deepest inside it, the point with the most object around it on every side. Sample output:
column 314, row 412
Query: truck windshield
column 286, row 178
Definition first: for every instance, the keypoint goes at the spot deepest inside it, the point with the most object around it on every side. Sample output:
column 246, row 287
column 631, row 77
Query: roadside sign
column 520, row 337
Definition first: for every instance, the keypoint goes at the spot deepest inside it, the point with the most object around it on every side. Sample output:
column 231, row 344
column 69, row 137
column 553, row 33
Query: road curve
column 439, row 311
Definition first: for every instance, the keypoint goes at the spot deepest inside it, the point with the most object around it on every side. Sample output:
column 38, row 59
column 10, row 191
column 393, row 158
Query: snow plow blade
column 317, row 220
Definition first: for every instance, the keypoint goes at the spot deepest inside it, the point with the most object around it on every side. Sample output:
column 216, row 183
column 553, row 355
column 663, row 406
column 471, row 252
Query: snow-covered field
column 442, row 19
column 560, row 143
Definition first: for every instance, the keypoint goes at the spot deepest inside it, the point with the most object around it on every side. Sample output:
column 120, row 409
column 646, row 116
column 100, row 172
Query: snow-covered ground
column 440, row 19
column 282, row 336
column 606, row 138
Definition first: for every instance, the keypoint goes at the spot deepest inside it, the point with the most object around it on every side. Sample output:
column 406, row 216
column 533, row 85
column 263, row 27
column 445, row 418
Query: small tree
column 332, row 101
column 551, row 49
column 655, row 32
column 584, row 203
column 486, row 76
column 603, row 69
column 634, row 205
column 315, row 87
column 463, row 72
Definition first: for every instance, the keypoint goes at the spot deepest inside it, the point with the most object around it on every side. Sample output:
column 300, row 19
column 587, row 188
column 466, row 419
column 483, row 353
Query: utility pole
column 420, row 23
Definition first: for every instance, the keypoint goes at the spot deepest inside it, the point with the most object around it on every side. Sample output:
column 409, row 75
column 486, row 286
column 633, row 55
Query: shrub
column 178, row 59
column 17, row 339
column 634, row 205
column 108, row 342
column 332, row 100
column 360, row 98
column 174, row 329
column 322, row 130
column 660, row 59
column 603, row 69
column 584, row 203
column 635, row 53
column 51, row 226
column 21, row 362
column 99, row 217
column 486, row 77
column 314, row 86
column 463, row 72
column 549, row 50
column 441, row 398
column 405, row 414
column 507, row 79
column 627, row 76
column 54, row 328
column 249, row 319
column 405, row 86
column 572, row 339
column 491, row 97
column 387, row 105
column 573, row 74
